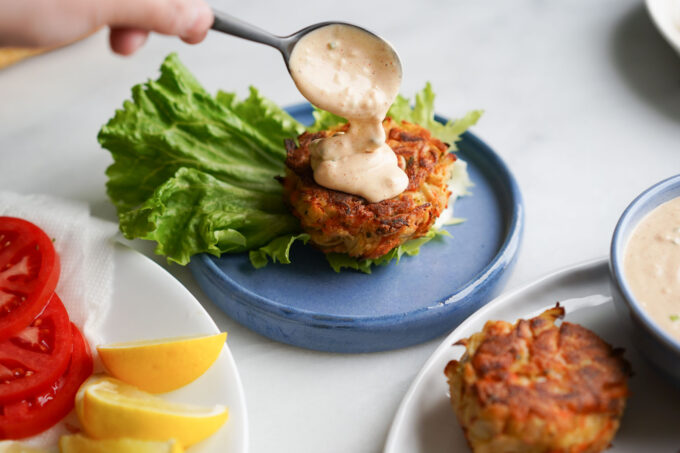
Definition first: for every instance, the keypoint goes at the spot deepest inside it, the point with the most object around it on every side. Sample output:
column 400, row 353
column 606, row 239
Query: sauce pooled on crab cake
column 343, row 223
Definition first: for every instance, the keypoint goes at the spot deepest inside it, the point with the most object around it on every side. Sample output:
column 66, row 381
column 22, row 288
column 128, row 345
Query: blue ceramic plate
column 307, row 304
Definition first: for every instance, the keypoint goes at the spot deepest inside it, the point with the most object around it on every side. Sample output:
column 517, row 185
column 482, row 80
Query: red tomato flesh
column 42, row 410
column 29, row 271
column 33, row 359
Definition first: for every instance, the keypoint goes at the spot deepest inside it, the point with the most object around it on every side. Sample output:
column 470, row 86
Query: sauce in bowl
column 651, row 265
column 353, row 74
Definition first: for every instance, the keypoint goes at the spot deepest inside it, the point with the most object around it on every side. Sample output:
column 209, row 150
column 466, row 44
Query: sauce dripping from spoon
column 353, row 74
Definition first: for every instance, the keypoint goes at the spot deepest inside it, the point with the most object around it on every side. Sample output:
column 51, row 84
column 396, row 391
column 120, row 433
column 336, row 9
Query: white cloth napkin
column 85, row 247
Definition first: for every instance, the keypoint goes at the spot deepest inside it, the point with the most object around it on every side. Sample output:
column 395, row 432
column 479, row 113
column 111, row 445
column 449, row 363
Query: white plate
column 425, row 422
column 666, row 16
column 149, row 303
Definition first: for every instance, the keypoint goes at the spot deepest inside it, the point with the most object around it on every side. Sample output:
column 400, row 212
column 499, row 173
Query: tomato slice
column 33, row 359
column 41, row 411
column 29, row 271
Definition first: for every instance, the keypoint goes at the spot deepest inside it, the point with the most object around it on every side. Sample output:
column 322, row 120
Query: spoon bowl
column 231, row 25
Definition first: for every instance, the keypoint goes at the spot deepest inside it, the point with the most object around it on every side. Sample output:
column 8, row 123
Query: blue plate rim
column 503, row 258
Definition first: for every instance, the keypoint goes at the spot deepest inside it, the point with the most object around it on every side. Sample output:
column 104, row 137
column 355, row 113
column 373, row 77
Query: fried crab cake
column 537, row 387
column 344, row 223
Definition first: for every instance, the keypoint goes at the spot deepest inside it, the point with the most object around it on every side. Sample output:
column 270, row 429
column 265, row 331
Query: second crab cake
column 344, row 223
column 537, row 387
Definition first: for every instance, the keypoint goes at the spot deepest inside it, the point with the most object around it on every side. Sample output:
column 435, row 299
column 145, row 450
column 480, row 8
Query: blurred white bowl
column 666, row 16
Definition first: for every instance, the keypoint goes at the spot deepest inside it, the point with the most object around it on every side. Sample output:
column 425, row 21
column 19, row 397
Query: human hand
column 45, row 23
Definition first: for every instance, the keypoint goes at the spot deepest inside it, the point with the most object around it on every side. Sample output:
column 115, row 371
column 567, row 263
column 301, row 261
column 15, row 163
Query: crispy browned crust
column 537, row 387
column 344, row 223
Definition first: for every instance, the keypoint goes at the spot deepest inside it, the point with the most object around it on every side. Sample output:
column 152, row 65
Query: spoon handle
column 229, row 24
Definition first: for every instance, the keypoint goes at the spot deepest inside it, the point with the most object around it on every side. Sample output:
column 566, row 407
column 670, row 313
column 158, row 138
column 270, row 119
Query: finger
column 185, row 18
column 195, row 39
column 125, row 41
column 199, row 30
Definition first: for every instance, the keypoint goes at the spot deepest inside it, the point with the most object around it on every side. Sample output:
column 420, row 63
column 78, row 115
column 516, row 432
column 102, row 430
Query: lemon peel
column 159, row 366
column 109, row 408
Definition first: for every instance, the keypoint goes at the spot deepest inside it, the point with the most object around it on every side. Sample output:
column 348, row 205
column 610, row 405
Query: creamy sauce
column 652, row 265
column 355, row 75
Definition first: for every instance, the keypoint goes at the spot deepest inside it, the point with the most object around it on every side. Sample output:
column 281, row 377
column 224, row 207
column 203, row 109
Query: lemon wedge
column 159, row 366
column 109, row 408
column 77, row 443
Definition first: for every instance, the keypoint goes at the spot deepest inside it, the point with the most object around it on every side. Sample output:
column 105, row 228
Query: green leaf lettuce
column 278, row 250
column 196, row 173
column 422, row 113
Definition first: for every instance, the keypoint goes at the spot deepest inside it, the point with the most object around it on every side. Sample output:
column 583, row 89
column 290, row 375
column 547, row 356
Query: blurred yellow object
column 11, row 55
column 10, row 446
column 109, row 409
column 80, row 444
column 159, row 366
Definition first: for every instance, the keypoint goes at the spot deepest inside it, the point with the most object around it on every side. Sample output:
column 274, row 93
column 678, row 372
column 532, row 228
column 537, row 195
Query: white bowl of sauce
column 645, row 269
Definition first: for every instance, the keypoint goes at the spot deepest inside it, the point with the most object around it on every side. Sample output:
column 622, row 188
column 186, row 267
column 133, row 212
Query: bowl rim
column 616, row 259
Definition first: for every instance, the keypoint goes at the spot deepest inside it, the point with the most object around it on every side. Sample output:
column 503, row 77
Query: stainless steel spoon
column 229, row 24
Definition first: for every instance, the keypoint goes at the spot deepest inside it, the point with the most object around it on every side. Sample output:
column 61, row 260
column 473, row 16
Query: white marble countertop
column 582, row 100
